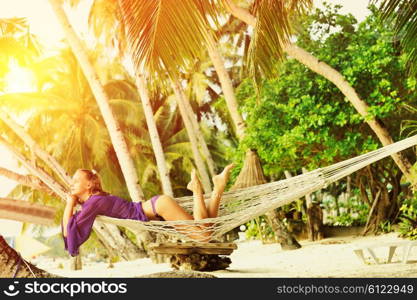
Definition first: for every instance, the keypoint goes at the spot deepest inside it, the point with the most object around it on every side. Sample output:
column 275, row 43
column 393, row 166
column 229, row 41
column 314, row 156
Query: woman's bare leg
column 167, row 208
column 219, row 182
column 199, row 208
column 170, row 210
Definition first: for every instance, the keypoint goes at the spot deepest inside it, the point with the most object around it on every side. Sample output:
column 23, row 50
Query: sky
column 44, row 24
column 355, row 7
column 41, row 18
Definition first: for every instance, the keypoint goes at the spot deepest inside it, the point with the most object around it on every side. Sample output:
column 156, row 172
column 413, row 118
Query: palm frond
column 10, row 26
column 403, row 13
column 274, row 27
column 164, row 35
column 13, row 48
column 106, row 22
column 130, row 111
column 97, row 137
column 121, row 89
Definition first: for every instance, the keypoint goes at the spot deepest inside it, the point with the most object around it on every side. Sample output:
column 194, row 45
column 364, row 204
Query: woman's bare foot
column 194, row 182
column 221, row 179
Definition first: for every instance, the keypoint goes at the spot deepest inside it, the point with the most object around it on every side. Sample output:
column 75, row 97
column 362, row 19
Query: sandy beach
column 330, row 257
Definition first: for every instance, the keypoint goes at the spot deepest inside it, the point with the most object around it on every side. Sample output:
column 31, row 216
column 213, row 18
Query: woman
column 86, row 190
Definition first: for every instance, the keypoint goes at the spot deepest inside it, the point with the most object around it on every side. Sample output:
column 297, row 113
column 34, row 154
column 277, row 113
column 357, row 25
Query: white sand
column 330, row 257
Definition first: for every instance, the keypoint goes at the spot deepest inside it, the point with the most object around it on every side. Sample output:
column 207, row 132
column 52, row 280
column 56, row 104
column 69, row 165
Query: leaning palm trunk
column 48, row 159
column 118, row 141
column 179, row 96
column 249, row 174
column 25, row 211
column 227, row 87
column 200, row 137
column 56, row 187
column 12, row 265
column 361, row 107
column 336, row 78
column 154, row 135
column 26, row 180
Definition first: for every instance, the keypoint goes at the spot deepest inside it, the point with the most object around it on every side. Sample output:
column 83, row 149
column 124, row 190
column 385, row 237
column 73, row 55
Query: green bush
column 259, row 228
column 385, row 226
column 353, row 212
column 408, row 217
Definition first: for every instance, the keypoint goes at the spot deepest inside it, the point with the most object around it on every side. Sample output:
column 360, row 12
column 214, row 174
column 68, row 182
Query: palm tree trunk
column 118, row 141
column 361, row 107
column 56, row 187
column 199, row 135
column 25, row 211
column 282, row 235
column 120, row 244
column 227, row 87
column 193, row 139
column 249, row 177
column 26, row 180
column 336, row 78
column 13, row 265
column 251, row 173
column 153, row 132
column 48, row 159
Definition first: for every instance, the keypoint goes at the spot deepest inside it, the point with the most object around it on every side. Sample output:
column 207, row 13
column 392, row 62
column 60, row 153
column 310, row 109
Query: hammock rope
column 242, row 205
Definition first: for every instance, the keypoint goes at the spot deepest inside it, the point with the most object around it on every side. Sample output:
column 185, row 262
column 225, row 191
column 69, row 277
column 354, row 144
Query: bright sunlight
column 19, row 79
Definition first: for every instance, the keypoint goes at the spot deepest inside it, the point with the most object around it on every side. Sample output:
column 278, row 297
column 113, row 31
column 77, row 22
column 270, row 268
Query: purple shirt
column 80, row 224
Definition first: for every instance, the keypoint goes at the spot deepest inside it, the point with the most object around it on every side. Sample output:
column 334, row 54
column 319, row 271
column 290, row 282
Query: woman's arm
column 76, row 228
column 68, row 212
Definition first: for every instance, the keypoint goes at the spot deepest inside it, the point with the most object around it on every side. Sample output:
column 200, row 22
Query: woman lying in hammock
column 86, row 190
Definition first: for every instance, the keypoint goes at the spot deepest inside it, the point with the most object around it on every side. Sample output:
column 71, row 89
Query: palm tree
column 124, row 158
column 403, row 14
column 174, row 139
column 165, row 36
column 25, row 46
column 63, row 118
column 109, row 8
column 173, row 135
column 105, row 13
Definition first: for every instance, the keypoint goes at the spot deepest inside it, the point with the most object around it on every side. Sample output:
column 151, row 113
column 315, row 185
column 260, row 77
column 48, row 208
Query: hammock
column 242, row 205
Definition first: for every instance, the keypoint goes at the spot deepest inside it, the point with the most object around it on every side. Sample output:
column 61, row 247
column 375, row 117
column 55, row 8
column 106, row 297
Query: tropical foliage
column 404, row 16
column 301, row 120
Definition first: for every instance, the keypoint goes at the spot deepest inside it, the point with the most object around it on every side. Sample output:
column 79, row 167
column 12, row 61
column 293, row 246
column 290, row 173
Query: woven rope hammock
column 242, row 205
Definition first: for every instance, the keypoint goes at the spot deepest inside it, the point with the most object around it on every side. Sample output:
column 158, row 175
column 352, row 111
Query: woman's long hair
column 94, row 178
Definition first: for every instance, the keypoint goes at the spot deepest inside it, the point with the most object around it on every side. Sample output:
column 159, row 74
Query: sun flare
column 19, row 79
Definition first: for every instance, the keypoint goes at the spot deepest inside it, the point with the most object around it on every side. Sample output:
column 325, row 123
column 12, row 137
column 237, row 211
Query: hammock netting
column 242, row 205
